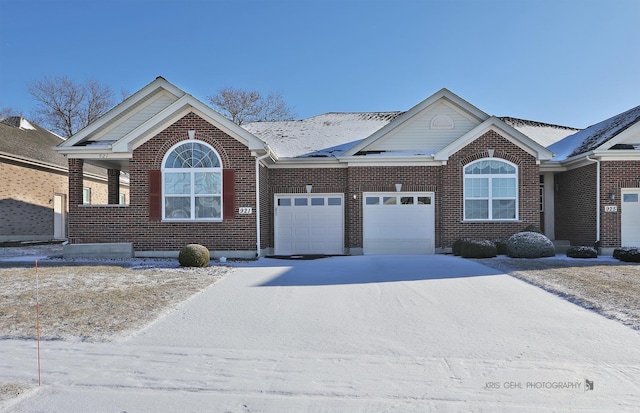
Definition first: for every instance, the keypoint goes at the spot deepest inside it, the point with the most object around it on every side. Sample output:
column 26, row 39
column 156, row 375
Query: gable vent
column 442, row 122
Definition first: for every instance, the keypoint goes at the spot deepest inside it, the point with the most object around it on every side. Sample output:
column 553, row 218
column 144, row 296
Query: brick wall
column 451, row 218
column 615, row 175
column 112, row 223
column 575, row 205
column 26, row 199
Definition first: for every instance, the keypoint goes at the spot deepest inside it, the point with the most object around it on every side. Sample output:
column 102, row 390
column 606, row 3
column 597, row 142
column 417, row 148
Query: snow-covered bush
column 627, row 254
column 582, row 252
column 194, row 255
column 530, row 245
column 478, row 249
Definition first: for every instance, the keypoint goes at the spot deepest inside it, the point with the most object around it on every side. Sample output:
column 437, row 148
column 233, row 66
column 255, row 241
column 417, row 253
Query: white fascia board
column 33, row 162
column 177, row 110
column 288, row 163
column 416, row 160
column 618, row 155
column 512, row 135
column 116, row 111
column 400, row 120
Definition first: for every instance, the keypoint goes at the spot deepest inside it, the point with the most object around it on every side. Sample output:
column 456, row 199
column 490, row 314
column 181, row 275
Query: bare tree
column 8, row 111
column 244, row 106
column 65, row 106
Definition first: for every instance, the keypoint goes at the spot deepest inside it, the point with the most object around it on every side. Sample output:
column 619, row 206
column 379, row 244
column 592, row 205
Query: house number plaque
column 245, row 210
column 610, row 208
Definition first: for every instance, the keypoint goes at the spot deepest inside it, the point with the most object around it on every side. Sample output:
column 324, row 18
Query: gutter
column 597, row 161
column 258, row 159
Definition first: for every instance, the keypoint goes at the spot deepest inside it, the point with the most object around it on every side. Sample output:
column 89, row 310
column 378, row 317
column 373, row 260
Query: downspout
column 258, row 159
column 597, row 161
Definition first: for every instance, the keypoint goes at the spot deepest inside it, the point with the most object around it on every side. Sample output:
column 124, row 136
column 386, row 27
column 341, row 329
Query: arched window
column 490, row 190
column 192, row 182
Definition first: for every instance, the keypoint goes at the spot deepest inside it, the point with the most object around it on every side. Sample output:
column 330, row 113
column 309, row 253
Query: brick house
column 33, row 193
column 341, row 183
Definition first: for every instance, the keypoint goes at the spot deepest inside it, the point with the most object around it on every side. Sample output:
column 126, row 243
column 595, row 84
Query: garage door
column 630, row 217
column 309, row 224
column 398, row 223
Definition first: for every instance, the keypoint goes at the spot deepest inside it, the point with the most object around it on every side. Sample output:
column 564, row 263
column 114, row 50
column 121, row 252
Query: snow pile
column 594, row 136
column 324, row 135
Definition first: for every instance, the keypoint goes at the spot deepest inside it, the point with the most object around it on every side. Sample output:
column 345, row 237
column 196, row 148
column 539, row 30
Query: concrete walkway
column 369, row 334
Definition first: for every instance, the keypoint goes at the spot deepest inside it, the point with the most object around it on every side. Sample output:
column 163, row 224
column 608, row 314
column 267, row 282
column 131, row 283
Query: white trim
column 192, row 195
column 490, row 196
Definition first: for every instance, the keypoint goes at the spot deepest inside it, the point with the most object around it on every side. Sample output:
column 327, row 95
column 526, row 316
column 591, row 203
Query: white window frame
column 86, row 195
column 490, row 198
column 192, row 195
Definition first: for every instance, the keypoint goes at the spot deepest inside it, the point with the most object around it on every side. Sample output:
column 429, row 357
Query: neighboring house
column 34, row 184
column 339, row 183
column 597, row 183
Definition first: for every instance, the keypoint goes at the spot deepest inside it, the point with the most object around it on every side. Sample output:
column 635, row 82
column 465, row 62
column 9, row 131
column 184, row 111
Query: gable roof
column 404, row 118
column 602, row 135
column 140, row 117
column 24, row 141
column 30, row 142
column 325, row 135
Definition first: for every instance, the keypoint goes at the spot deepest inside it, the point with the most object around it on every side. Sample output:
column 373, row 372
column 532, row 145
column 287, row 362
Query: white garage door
column 309, row 224
column 398, row 223
column 630, row 218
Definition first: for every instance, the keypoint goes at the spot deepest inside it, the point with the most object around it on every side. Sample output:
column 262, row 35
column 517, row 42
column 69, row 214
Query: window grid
column 490, row 191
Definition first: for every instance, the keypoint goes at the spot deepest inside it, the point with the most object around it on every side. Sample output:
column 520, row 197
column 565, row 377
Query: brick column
column 76, row 182
column 113, row 186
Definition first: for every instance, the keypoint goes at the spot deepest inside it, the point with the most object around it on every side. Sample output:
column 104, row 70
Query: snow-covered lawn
column 414, row 333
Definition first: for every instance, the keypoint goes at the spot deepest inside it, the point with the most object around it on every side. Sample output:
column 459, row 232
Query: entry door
column 59, row 216
column 630, row 221
column 398, row 223
column 309, row 224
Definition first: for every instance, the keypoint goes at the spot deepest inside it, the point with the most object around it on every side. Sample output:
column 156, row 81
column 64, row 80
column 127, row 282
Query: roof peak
column 18, row 122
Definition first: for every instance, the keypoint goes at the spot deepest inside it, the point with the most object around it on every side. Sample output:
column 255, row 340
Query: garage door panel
column 398, row 223
column 306, row 224
column 630, row 220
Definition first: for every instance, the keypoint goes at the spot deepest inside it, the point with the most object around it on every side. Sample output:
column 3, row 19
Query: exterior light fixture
column 612, row 196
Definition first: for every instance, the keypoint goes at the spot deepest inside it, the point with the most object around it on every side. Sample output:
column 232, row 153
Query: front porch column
column 549, row 206
column 76, row 183
column 113, row 184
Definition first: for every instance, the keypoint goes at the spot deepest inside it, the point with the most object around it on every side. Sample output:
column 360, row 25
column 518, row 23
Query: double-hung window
column 490, row 190
column 192, row 182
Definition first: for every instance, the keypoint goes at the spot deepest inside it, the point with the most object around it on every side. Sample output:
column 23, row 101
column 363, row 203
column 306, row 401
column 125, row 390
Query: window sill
column 465, row 221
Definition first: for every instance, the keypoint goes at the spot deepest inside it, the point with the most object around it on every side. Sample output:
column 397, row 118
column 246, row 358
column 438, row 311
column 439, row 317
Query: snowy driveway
column 353, row 334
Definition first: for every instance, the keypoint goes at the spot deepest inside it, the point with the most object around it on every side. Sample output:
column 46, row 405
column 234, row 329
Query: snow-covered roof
column 545, row 134
column 324, row 135
column 595, row 136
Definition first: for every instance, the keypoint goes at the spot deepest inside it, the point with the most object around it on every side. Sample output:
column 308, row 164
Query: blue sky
column 569, row 62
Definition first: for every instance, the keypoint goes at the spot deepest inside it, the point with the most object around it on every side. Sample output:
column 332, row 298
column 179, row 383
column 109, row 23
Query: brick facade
column 27, row 195
column 615, row 175
column 114, row 223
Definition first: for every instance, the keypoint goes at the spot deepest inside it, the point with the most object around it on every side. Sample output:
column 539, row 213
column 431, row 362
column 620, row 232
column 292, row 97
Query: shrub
column 478, row 249
column 457, row 245
column 582, row 252
column 627, row 254
column 501, row 246
column 194, row 255
column 530, row 245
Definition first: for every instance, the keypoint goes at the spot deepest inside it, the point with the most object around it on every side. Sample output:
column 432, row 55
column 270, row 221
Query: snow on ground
column 368, row 333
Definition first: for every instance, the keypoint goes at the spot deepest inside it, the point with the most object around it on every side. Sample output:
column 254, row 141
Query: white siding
column 141, row 114
column 417, row 132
